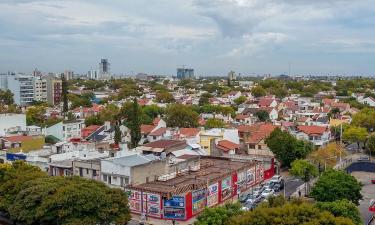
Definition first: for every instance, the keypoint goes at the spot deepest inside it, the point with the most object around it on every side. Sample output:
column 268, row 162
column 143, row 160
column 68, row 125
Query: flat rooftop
column 211, row 170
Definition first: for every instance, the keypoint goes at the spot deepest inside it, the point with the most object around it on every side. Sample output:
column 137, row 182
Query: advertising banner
column 226, row 188
column 199, row 200
column 174, row 208
column 213, row 194
column 250, row 177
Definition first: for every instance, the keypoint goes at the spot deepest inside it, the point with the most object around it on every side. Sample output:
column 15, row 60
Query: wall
column 140, row 173
column 12, row 120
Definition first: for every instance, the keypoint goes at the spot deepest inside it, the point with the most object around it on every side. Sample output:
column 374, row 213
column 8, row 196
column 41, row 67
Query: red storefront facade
column 184, row 206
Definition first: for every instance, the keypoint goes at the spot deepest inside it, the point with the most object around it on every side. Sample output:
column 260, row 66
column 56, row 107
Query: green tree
column 164, row 97
column 31, row 197
column 13, row 179
column 335, row 185
column 6, row 97
column 178, row 115
column 240, row 100
column 134, row 123
column 262, row 115
column 93, row 120
column 205, row 99
column 110, row 113
column 303, row 169
column 365, row 118
column 218, row 215
column 299, row 213
column 214, row 123
column 117, row 134
column 286, row 147
column 371, row 145
column 152, row 111
column 258, row 91
column 355, row 134
column 343, row 208
column 64, row 87
column 35, row 115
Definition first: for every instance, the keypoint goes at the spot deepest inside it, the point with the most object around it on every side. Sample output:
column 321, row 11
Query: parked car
column 254, row 199
column 373, row 181
column 269, row 185
column 267, row 192
column 244, row 197
column 249, row 206
column 276, row 178
column 258, row 191
column 278, row 186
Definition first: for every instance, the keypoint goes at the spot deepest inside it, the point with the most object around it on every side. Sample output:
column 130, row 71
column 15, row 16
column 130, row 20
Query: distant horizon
column 212, row 36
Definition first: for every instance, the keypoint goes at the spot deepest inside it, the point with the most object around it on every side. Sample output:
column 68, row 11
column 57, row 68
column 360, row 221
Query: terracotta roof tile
column 227, row 145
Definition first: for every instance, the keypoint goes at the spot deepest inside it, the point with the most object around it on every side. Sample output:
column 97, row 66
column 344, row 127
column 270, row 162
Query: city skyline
column 213, row 37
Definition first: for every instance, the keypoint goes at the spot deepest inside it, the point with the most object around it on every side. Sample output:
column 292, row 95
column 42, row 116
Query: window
column 94, row 173
column 109, row 179
column 104, row 178
column 154, row 137
column 259, row 147
column 87, row 171
column 80, row 172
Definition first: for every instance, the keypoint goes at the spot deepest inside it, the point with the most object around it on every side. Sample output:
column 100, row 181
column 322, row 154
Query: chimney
column 81, row 112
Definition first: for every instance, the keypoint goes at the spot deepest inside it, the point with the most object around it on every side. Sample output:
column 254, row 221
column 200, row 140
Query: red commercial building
column 185, row 195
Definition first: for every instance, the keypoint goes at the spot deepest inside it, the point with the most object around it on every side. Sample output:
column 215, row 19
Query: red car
column 373, row 181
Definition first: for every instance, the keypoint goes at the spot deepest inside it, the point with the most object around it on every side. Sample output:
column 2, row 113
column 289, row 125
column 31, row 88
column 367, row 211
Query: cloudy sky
column 212, row 36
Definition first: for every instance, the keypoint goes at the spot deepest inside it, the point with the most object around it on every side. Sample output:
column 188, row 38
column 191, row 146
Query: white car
column 268, row 192
column 276, row 179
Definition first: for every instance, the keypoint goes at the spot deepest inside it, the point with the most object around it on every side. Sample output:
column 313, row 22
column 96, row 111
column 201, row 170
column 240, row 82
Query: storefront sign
column 174, row 213
column 174, row 208
column 175, row 201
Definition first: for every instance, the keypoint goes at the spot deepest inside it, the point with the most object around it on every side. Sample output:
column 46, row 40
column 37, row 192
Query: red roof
column 158, row 132
column 89, row 130
column 261, row 131
column 309, row 130
column 145, row 128
column 328, row 101
column 18, row 138
column 226, row 145
column 189, row 132
column 265, row 102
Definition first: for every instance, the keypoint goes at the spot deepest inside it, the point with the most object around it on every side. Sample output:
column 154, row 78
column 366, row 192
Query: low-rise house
column 162, row 146
column 254, row 139
column 66, row 130
column 207, row 136
column 21, row 143
column 318, row 135
column 63, row 164
column 368, row 101
column 190, row 135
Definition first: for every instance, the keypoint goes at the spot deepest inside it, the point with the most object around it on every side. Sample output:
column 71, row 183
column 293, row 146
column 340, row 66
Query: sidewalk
column 151, row 221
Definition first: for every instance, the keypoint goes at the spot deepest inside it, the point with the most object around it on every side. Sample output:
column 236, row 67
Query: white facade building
column 40, row 89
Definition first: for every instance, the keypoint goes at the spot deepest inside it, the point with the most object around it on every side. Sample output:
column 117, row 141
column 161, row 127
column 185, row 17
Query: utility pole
column 340, row 141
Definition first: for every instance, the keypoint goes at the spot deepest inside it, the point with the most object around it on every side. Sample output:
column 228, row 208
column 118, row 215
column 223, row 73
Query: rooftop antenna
column 289, row 68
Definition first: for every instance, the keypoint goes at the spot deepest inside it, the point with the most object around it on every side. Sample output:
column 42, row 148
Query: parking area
column 368, row 192
column 275, row 186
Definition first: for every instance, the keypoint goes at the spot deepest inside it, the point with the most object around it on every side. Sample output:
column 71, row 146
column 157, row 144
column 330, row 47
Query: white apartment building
column 40, row 89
